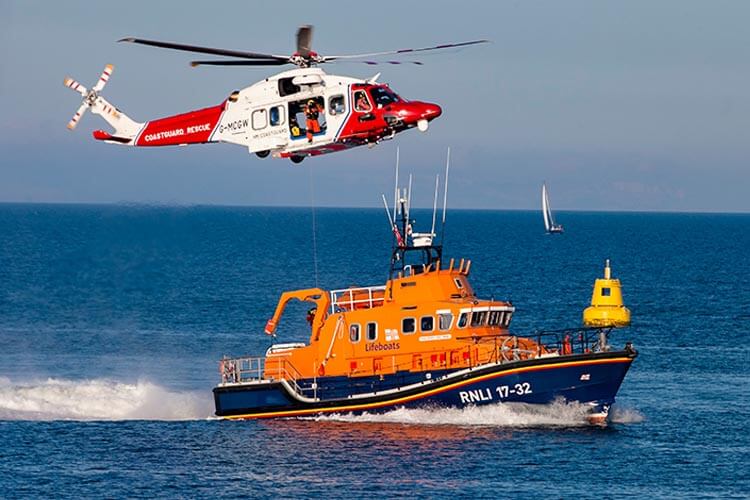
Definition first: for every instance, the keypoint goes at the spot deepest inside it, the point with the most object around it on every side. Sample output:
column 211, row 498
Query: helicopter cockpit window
column 383, row 96
column 286, row 87
column 336, row 105
column 361, row 102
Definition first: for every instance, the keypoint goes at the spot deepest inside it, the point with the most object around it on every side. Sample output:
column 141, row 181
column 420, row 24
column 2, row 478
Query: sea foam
column 556, row 414
column 98, row 399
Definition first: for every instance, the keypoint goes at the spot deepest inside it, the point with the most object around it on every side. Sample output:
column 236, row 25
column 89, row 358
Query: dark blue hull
column 588, row 378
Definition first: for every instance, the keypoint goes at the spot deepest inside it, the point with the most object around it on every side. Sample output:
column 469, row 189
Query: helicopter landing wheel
column 296, row 159
column 263, row 154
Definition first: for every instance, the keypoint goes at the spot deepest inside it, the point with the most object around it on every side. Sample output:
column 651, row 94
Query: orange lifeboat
column 424, row 337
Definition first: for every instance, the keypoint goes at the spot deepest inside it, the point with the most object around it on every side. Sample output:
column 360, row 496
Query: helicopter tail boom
column 193, row 127
column 125, row 127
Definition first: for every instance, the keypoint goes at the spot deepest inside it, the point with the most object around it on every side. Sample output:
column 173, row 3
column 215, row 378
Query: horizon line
column 229, row 205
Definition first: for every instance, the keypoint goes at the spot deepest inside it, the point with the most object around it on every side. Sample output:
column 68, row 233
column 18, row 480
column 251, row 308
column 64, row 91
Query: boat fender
column 322, row 370
column 270, row 327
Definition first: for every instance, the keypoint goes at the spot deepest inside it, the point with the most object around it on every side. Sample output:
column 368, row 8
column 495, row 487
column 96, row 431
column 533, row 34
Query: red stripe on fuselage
column 193, row 127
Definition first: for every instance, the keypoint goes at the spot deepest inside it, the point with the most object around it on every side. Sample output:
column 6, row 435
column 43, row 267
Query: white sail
column 545, row 209
column 549, row 222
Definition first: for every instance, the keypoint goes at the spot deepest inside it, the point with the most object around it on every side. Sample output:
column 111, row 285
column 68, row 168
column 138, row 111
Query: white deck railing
column 350, row 298
column 253, row 369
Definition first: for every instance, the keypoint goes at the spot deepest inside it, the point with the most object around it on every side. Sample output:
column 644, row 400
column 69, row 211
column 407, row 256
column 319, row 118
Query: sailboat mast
column 549, row 209
column 545, row 209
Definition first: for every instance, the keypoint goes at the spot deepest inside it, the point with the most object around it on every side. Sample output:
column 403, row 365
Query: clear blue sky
column 637, row 105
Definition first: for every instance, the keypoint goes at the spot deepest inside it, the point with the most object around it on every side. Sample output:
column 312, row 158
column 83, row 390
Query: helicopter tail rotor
column 124, row 126
column 89, row 96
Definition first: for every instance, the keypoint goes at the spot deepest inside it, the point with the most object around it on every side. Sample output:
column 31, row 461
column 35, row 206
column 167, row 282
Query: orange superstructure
column 424, row 319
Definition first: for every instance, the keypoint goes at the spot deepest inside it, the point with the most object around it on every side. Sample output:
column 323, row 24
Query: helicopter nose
column 419, row 114
column 431, row 111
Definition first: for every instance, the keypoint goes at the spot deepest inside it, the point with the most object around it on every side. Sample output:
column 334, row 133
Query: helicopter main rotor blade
column 405, row 51
column 234, row 62
column 204, row 50
column 376, row 63
column 304, row 40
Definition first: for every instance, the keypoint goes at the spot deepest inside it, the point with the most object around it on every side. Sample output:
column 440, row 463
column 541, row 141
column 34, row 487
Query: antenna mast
column 407, row 220
column 434, row 207
column 395, row 189
column 445, row 195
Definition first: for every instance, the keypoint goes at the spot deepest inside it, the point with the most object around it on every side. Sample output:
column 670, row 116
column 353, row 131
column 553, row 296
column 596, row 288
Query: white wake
column 557, row 414
column 98, row 399
column 621, row 415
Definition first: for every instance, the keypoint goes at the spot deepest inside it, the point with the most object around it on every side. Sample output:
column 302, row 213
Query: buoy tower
column 607, row 308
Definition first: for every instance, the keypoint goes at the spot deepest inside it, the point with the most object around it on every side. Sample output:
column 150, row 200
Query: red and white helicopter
column 294, row 114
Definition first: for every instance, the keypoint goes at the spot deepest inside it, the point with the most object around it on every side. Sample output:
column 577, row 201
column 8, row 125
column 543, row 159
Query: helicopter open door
column 332, row 112
column 268, row 129
column 307, row 120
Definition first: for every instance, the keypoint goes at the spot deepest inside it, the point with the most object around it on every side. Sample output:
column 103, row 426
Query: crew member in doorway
column 311, row 315
column 312, row 111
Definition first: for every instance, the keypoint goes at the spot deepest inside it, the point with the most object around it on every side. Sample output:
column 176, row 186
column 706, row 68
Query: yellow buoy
column 607, row 309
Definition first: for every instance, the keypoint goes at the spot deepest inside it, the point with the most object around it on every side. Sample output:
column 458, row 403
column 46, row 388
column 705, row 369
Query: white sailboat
column 549, row 222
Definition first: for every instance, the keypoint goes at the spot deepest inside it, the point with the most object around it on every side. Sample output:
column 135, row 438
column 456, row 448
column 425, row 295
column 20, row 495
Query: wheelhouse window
column 372, row 332
column 259, row 119
column 361, row 102
column 408, row 325
column 606, row 291
column 462, row 320
column 336, row 105
column 354, row 333
column 427, row 323
column 495, row 318
column 383, row 96
column 478, row 318
column 445, row 321
column 506, row 321
column 459, row 283
column 276, row 116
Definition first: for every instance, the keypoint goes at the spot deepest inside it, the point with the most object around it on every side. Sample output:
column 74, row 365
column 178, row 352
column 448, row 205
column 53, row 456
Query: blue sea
column 113, row 319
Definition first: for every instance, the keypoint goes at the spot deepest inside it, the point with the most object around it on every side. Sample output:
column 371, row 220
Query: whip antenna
column 408, row 202
column 434, row 207
column 395, row 189
column 445, row 194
